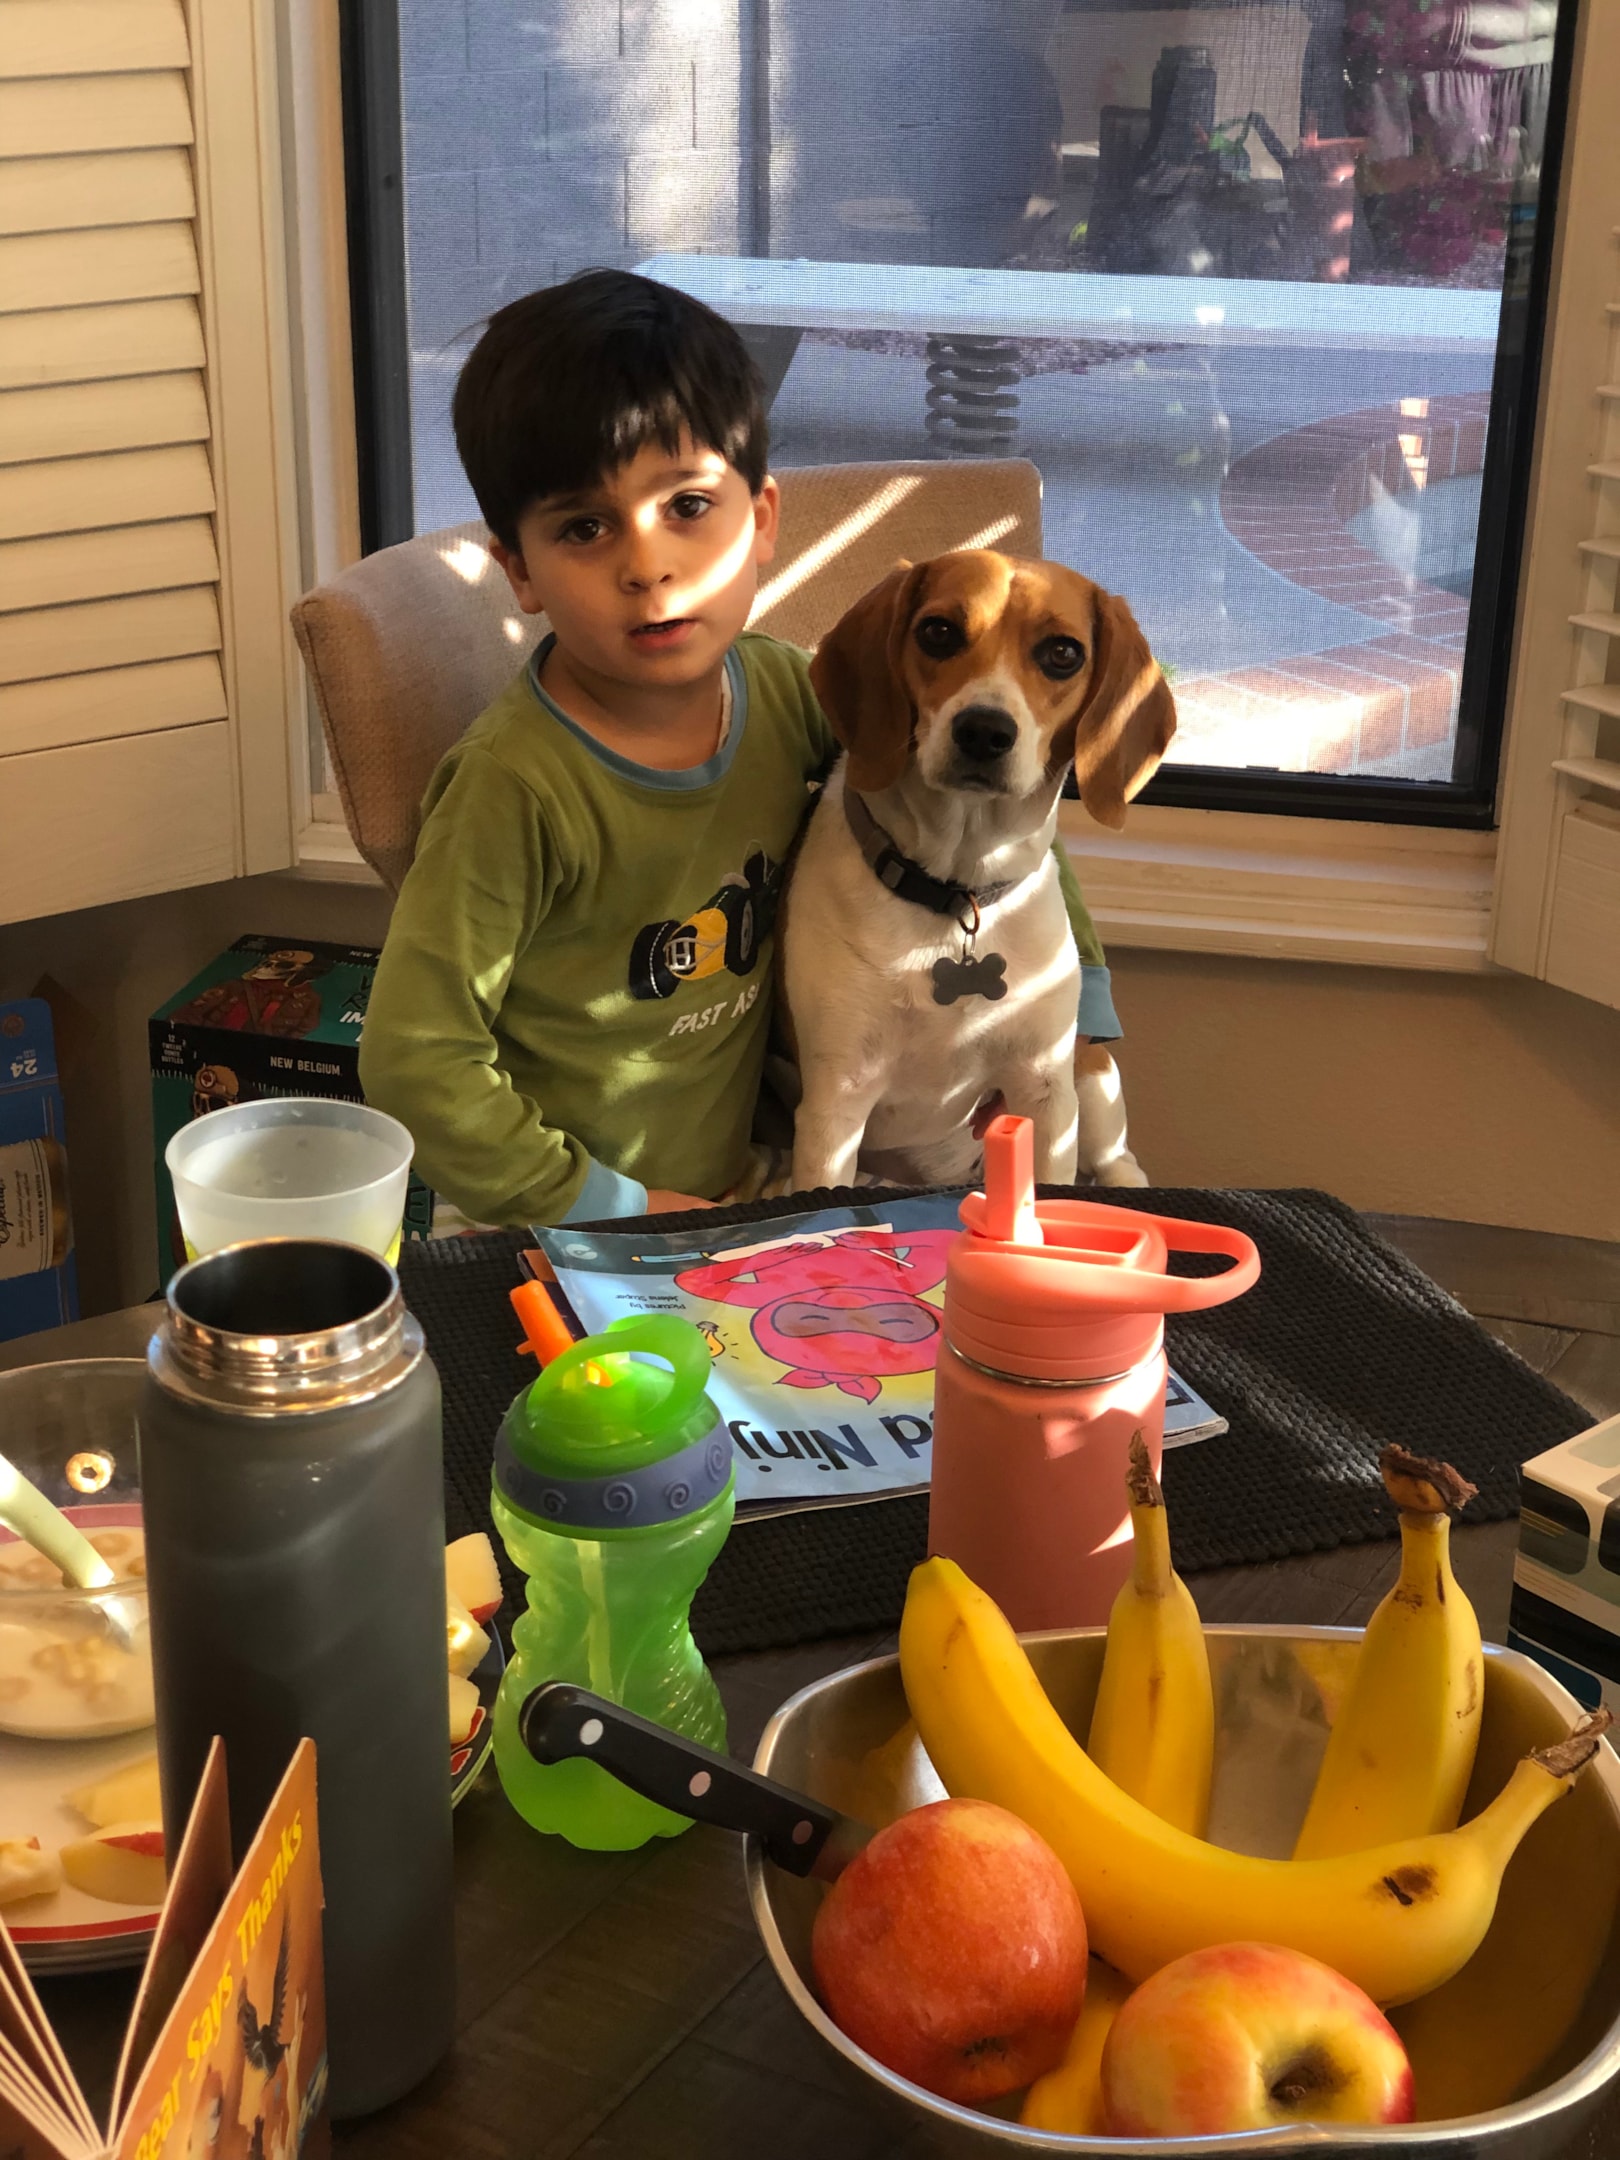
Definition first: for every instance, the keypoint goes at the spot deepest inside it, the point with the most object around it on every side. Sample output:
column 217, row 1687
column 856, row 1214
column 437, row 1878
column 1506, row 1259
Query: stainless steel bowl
column 845, row 1740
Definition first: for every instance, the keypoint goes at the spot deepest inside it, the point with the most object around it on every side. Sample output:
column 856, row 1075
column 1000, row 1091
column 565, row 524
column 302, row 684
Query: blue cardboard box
column 38, row 1284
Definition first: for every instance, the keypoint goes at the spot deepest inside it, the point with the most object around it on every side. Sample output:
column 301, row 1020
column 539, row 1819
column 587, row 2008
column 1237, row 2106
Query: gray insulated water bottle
column 292, row 1482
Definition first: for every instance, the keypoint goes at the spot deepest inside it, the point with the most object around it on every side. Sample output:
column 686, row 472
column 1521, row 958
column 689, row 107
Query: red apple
column 953, row 1949
column 1248, row 2036
column 463, row 1709
column 25, row 1871
column 122, row 1862
column 129, row 1795
column 465, row 1640
column 472, row 1576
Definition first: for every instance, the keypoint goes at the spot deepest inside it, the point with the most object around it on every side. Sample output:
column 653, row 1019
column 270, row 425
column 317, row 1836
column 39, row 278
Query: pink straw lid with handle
column 1050, row 1289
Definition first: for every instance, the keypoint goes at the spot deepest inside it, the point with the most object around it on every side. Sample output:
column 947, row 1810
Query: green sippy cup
column 613, row 1492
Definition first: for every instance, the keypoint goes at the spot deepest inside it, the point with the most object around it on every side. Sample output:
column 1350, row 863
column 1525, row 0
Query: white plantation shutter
column 146, row 541
column 1558, row 868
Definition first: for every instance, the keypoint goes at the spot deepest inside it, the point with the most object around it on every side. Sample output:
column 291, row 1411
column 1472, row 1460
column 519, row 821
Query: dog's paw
column 1121, row 1170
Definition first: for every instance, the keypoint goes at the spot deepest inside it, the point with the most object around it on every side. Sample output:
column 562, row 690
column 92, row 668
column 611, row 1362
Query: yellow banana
column 1511, row 2020
column 1070, row 2098
column 1402, row 1746
column 1397, row 1920
column 1153, row 1728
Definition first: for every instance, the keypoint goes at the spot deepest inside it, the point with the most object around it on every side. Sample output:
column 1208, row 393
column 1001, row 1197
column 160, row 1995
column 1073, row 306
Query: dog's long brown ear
column 857, row 675
column 1129, row 716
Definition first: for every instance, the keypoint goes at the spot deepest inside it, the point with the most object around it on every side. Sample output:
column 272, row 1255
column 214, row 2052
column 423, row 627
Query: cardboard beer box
column 273, row 1016
column 38, row 1285
column 1566, row 1574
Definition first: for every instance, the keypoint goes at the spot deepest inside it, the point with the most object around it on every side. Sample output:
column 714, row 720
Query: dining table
column 620, row 2005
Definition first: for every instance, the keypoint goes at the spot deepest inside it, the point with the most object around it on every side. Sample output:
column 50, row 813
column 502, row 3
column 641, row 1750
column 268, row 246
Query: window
column 1257, row 286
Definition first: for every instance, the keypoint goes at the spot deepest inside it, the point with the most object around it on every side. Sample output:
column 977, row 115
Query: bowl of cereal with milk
column 75, row 1664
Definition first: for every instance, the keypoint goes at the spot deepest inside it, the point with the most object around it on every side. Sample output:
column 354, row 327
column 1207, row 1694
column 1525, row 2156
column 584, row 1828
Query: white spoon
column 25, row 1509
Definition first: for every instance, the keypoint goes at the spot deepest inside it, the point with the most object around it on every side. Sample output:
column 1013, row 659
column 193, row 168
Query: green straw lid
column 594, row 1441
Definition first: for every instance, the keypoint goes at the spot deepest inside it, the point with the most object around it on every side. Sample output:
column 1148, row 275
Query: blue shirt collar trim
column 687, row 781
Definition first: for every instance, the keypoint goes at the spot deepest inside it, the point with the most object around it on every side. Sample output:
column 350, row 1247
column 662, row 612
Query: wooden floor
column 620, row 2007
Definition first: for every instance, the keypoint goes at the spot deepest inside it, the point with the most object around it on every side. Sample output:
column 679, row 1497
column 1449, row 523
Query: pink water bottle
column 1053, row 1357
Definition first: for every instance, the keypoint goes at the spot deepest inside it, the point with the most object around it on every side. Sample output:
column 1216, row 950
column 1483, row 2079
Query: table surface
column 620, row 2006
column 1084, row 303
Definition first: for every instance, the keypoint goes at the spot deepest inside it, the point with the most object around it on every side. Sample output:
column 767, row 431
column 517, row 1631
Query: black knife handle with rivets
column 559, row 1722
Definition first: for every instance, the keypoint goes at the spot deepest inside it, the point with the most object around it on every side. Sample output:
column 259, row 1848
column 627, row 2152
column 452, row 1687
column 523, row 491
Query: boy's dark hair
column 567, row 384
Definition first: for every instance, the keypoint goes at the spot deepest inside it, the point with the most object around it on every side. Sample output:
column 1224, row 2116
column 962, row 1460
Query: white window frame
column 1177, row 880
column 241, row 242
column 317, row 286
column 1287, row 888
column 1567, row 644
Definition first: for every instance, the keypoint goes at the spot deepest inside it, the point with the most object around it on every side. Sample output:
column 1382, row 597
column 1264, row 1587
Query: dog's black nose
column 984, row 733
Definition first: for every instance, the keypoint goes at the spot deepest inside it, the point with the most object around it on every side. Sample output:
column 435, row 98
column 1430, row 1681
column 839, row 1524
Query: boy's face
column 649, row 575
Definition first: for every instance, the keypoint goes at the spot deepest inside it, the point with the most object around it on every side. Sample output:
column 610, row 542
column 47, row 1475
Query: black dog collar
column 908, row 880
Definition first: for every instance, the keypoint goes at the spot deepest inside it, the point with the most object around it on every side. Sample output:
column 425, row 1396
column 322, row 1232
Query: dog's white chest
column 960, row 689
column 923, row 1020
column 968, row 1006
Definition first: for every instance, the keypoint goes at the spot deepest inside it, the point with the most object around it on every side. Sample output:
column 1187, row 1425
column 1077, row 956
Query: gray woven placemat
column 1341, row 1346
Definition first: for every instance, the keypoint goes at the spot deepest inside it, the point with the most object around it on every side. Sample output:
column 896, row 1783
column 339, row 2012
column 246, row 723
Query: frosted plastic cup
column 295, row 1166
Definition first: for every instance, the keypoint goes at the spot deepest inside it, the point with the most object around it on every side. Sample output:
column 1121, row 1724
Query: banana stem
column 1142, row 1484
column 1152, row 1575
column 1568, row 1756
column 1538, row 1780
column 1422, row 1485
column 1425, row 1557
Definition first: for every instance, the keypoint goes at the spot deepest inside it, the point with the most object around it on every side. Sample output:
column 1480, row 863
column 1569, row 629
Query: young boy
column 573, row 1002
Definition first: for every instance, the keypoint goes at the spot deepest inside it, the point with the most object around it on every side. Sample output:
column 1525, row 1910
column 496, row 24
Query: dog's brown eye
column 939, row 637
column 1060, row 657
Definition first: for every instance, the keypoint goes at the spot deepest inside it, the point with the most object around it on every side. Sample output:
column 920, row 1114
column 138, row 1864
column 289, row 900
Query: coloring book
column 823, row 1328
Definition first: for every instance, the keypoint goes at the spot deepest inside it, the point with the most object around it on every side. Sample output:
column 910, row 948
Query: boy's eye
column 581, row 530
column 689, row 506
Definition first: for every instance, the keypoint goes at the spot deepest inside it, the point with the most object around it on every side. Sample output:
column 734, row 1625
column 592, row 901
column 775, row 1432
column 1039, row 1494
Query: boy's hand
column 663, row 1202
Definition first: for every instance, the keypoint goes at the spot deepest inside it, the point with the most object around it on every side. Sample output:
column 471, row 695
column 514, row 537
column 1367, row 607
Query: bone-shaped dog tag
column 979, row 975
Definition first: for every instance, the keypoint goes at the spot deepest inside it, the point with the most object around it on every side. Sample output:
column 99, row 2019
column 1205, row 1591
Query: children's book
column 823, row 1327
column 226, row 2050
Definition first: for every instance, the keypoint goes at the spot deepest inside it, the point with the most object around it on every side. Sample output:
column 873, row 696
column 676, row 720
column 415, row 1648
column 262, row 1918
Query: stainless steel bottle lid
column 284, row 1324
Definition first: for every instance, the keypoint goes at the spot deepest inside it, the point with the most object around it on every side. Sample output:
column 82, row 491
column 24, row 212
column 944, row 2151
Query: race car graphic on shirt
column 723, row 936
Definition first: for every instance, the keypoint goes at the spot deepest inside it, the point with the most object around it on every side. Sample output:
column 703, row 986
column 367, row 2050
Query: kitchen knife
column 561, row 1722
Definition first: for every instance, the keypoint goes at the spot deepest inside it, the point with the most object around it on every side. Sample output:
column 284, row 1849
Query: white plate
column 67, row 1930
column 467, row 1760
column 71, row 1932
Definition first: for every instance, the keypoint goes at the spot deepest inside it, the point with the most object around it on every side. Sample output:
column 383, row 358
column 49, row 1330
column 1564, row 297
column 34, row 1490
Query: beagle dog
column 927, row 962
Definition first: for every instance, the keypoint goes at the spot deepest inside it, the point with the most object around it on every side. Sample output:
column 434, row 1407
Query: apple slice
column 129, row 1795
column 468, row 1642
column 463, row 1709
column 122, row 1862
column 473, row 1577
column 25, row 1871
